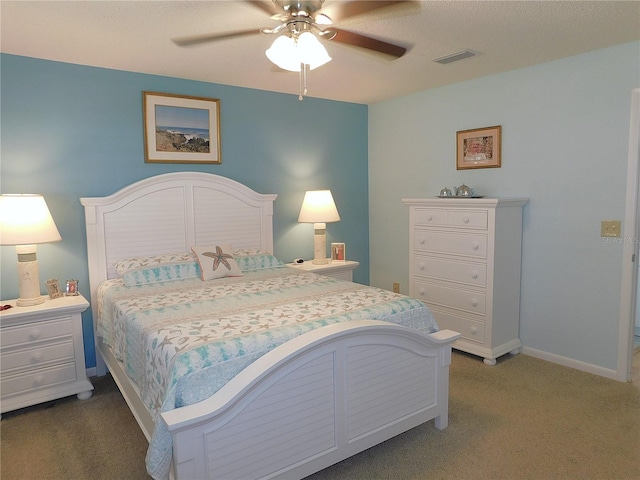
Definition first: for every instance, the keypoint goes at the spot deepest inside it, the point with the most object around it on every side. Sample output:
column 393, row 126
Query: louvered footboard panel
column 284, row 428
column 385, row 385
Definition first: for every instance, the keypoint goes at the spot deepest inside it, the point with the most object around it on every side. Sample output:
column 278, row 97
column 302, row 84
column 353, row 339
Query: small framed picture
column 338, row 252
column 72, row 288
column 53, row 287
column 479, row 148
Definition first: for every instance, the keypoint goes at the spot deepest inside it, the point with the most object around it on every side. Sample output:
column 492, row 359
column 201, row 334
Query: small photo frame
column 181, row 129
column 479, row 148
column 53, row 288
column 338, row 252
column 72, row 288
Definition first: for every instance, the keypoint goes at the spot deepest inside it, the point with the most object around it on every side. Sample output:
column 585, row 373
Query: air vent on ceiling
column 454, row 57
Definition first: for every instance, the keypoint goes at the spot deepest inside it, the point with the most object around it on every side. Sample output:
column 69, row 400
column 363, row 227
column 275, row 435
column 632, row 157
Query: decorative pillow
column 258, row 262
column 216, row 262
column 244, row 252
column 158, row 268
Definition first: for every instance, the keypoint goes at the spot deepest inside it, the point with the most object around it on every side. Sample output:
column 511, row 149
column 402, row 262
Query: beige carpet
column 522, row 419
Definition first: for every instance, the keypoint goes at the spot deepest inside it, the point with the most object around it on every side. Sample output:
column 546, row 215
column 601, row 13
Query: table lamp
column 24, row 222
column 319, row 208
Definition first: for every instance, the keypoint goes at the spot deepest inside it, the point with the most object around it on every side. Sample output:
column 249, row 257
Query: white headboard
column 171, row 213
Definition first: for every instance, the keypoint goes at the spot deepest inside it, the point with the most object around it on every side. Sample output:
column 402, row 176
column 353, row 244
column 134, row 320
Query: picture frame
column 72, row 288
column 479, row 148
column 53, row 288
column 181, row 129
column 338, row 252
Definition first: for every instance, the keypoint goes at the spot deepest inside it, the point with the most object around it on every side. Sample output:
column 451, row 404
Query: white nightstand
column 341, row 270
column 42, row 353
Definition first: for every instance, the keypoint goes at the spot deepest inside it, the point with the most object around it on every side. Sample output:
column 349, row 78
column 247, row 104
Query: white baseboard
column 570, row 362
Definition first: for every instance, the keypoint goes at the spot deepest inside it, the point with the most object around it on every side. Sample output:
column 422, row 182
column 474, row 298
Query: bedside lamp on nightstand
column 319, row 208
column 25, row 221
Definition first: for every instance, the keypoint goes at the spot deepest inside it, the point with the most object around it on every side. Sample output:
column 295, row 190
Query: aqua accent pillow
column 157, row 268
column 258, row 262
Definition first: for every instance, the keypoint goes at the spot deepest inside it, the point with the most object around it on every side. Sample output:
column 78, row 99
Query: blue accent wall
column 72, row 131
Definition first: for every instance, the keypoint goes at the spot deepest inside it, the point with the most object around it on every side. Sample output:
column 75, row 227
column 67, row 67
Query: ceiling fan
column 302, row 22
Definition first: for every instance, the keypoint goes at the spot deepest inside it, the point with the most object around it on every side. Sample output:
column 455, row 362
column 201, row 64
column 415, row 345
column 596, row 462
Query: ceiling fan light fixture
column 283, row 53
column 311, row 51
column 288, row 53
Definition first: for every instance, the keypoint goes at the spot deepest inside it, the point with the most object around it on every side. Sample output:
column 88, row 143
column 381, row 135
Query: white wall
column 565, row 127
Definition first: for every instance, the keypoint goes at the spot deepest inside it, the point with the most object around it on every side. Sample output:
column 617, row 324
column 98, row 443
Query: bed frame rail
column 315, row 401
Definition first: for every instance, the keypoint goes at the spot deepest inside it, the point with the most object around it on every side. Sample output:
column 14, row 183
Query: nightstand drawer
column 45, row 377
column 473, row 245
column 472, row 302
column 443, row 269
column 58, row 353
column 36, row 331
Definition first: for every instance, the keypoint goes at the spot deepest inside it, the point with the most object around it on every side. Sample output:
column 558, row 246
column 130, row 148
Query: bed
column 331, row 385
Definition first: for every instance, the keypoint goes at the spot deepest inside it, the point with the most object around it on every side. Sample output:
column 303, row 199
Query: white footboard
column 314, row 401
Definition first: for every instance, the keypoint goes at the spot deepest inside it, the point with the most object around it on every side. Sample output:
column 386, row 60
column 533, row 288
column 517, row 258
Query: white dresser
column 42, row 352
column 464, row 263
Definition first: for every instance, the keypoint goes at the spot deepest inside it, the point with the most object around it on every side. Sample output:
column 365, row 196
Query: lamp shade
column 25, row 220
column 318, row 207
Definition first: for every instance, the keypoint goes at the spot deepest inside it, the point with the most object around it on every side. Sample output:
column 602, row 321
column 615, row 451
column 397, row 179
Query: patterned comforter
column 181, row 341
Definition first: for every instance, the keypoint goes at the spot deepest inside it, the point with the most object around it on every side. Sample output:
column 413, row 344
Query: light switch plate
column 610, row 228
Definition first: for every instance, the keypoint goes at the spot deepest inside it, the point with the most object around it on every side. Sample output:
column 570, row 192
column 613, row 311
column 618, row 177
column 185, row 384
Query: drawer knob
column 474, row 275
column 465, row 219
column 473, row 330
column 35, row 334
column 36, row 358
column 422, row 241
column 38, row 381
column 421, row 266
column 429, row 218
column 474, row 302
column 475, row 246
column 422, row 292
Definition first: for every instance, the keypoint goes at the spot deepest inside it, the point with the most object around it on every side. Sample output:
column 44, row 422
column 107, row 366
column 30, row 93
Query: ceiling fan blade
column 341, row 10
column 266, row 6
column 357, row 40
column 211, row 37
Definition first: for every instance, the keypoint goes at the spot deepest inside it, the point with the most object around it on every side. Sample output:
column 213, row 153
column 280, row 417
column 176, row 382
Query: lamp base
column 29, row 276
column 319, row 244
column 28, row 302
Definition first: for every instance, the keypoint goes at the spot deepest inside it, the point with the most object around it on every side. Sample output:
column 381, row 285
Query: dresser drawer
column 45, row 377
column 470, row 330
column 462, row 218
column 468, row 218
column 32, row 332
column 430, row 216
column 464, row 272
column 472, row 302
column 474, row 245
column 42, row 355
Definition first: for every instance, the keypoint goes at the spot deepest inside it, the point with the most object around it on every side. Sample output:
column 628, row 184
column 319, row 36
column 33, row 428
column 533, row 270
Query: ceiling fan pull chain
column 303, row 81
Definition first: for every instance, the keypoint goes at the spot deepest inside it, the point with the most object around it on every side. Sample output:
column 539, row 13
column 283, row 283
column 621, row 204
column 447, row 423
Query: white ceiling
column 136, row 36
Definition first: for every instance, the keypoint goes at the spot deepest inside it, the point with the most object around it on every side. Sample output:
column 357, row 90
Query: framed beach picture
column 479, row 148
column 181, row 129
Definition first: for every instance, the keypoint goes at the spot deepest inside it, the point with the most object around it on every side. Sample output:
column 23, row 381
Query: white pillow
column 216, row 262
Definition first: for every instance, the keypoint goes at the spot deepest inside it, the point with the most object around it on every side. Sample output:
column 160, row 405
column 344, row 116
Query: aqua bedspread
column 180, row 341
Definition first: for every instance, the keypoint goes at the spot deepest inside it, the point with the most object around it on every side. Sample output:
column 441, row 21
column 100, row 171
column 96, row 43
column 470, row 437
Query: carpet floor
column 521, row 419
